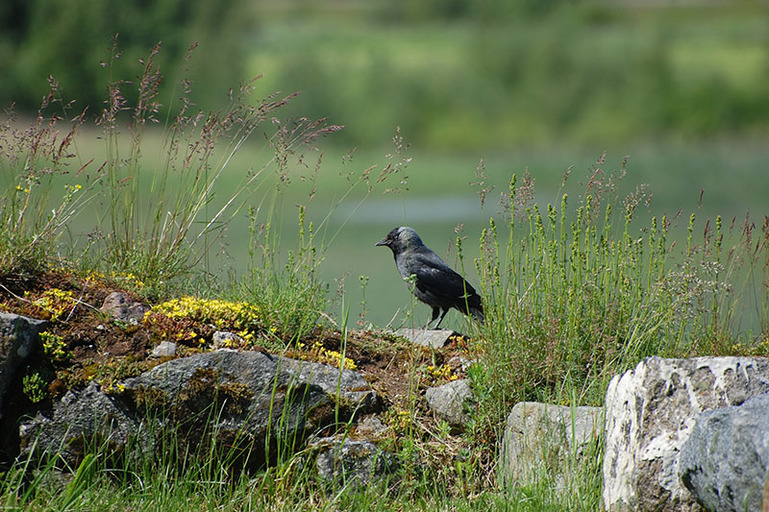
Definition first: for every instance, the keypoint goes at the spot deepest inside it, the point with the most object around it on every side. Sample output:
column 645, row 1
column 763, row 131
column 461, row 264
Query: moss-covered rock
column 251, row 404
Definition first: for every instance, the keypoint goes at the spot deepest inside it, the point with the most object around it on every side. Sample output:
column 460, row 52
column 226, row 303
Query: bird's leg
column 442, row 317
column 436, row 310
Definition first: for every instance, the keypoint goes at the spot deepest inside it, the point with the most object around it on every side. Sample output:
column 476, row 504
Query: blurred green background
column 454, row 74
column 548, row 85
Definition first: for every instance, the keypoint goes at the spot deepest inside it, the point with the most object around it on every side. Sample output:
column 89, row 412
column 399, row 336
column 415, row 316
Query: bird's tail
column 474, row 306
column 477, row 312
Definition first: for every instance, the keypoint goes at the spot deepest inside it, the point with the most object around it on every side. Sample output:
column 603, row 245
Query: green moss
column 208, row 387
column 149, row 398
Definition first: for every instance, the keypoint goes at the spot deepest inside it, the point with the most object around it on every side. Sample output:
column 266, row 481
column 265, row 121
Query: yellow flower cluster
column 442, row 372
column 320, row 354
column 54, row 347
column 112, row 387
column 460, row 340
column 94, row 276
column 752, row 348
column 399, row 420
column 237, row 316
column 70, row 191
column 128, row 277
column 55, row 302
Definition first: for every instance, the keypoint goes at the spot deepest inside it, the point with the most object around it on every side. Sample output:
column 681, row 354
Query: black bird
column 436, row 284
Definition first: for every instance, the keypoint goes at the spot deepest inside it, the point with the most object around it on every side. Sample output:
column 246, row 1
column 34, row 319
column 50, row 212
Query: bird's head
column 400, row 239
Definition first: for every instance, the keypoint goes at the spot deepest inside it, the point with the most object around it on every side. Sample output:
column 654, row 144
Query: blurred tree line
column 484, row 10
column 68, row 40
column 455, row 74
column 468, row 74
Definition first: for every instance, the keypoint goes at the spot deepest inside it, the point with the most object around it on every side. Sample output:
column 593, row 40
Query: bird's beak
column 383, row 241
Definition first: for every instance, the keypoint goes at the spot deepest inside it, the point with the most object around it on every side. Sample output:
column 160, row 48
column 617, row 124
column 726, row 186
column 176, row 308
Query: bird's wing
column 435, row 277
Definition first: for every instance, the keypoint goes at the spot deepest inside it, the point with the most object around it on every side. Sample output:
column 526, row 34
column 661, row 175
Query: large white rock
column 650, row 412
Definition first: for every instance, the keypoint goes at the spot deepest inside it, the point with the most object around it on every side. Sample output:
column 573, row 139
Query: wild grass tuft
column 582, row 290
column 43, row 189
column 161, row 217
column 284, row 281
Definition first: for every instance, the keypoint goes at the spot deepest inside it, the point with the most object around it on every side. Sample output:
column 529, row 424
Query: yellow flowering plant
column 54, row 303
column 193, row 319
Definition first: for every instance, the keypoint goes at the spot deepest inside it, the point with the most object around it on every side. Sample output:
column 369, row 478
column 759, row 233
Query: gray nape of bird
column 436, row 284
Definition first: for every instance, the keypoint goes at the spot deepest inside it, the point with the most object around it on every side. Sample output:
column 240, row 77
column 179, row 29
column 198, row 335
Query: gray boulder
column 547, row 441
column 650, row 412
column 254, row 403
column 84, row 420
column 725, row 460
column 19, row 338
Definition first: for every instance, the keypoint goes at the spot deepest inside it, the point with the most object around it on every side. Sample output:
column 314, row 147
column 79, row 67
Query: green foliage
column 575, row 296
column 159, row 216
column 484, row 10
column 34, row 387
column 32, row 48
column 458, row 74
column 580, row 72
column 289, row 293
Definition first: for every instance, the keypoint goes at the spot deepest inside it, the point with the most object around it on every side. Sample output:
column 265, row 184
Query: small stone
column 357, row 463
column 371, row 425
column 449, row 402
column 122, row 308
column 164, row 349
column 435, row 338
column 224, row 339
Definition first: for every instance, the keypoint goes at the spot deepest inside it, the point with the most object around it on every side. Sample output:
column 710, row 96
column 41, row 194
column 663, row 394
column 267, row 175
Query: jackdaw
column 436, row 284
